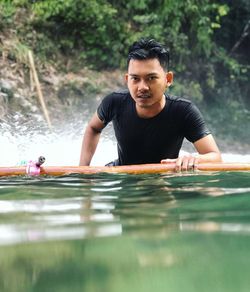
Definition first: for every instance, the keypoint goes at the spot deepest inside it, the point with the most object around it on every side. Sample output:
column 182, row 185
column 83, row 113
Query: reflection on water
column 89, row 206
column 116, row 232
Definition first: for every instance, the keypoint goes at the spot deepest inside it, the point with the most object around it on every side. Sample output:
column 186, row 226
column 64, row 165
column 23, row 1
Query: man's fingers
column 191, row 163
column 186, row 163
column 178, row 164
column 196, row 162
column 168, row 160
column 183, row 163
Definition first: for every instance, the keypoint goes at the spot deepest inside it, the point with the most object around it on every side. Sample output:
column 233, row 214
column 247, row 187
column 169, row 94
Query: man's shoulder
column 179, row 106
column 177, row 99
column 117, row 98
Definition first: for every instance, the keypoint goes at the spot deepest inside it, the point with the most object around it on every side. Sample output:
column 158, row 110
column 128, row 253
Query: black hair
column 145, row 49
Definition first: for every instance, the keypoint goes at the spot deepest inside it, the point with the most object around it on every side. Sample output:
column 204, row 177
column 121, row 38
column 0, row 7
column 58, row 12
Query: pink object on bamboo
column 34, row 167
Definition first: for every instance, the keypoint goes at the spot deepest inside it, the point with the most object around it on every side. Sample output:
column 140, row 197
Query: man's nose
column 143, row 85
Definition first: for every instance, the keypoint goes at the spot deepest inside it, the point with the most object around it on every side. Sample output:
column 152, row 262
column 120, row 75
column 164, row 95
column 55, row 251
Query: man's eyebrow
column 149, row 74
column 152, row 74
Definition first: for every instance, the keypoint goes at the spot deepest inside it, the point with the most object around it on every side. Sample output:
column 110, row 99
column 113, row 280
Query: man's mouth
column 145, row 95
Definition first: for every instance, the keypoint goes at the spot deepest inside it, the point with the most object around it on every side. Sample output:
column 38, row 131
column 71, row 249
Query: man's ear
column 169, row 78
column 126, row 77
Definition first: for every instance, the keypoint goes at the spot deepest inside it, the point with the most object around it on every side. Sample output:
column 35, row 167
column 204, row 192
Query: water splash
column 23, row 139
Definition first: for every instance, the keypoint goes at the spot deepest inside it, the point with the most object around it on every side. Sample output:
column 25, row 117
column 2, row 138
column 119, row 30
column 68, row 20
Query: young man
column 149, row 124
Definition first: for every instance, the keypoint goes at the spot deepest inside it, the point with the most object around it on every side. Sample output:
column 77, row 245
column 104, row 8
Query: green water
column 186, row 232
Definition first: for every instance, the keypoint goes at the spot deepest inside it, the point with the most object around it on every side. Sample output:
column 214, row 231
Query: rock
column 26, row 103
column 6, row 87
column 6, row 84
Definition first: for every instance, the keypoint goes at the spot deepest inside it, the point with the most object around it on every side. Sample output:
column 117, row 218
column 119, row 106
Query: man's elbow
column 93, row 129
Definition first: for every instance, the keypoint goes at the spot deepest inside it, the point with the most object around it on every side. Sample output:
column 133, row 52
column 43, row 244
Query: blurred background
column 79, row 49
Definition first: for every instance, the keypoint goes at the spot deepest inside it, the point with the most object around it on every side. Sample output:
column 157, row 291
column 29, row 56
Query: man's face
column 147, row 81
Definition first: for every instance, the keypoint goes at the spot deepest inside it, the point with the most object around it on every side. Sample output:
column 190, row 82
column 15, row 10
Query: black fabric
column 149, row 140
column 113, row 163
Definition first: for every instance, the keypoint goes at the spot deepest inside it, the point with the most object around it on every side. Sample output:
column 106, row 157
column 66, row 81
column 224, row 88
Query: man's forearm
column 89, row 144
column 209, row 157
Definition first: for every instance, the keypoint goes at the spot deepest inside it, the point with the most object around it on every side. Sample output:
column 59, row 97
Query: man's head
column 146, row 49
column 148, row 76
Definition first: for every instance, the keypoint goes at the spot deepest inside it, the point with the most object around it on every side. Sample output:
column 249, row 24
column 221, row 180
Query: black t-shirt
column 148, row 140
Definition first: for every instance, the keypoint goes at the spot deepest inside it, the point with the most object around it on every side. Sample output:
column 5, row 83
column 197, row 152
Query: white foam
column 228, row 157
column 63, row 150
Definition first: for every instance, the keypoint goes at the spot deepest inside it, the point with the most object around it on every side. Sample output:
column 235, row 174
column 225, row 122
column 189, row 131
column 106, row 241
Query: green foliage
column 82, row 25
column 209, row 51
column 16, row 51
column 7, row 11
column 188, row 89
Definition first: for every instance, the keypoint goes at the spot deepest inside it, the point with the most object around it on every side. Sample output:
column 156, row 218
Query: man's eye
column 152, row 78
column 134, row 78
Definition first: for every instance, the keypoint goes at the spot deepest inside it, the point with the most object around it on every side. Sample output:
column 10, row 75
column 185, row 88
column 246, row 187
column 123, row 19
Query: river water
column 117, row 232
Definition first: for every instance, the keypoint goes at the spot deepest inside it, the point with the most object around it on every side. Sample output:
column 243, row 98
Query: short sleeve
column 194, row 124
column 105, row 109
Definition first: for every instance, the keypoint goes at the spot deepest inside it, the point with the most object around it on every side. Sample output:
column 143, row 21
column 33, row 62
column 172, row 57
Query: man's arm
column 207, row 152
column 90, row 140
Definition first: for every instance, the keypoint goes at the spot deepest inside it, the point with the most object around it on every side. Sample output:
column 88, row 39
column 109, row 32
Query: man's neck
column 151, row 111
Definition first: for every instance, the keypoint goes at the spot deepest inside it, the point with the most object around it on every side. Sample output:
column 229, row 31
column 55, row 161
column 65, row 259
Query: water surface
column 117, row 232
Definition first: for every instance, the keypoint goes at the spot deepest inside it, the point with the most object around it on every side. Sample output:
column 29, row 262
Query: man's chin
column 143, row 99
column 144, row 104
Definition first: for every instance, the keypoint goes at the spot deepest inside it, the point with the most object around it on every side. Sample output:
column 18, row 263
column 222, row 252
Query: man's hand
column 184, row 163
column 207, row 152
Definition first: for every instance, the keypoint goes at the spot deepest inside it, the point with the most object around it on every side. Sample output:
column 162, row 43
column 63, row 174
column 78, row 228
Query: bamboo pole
column 126, row 169
column 38, row 88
